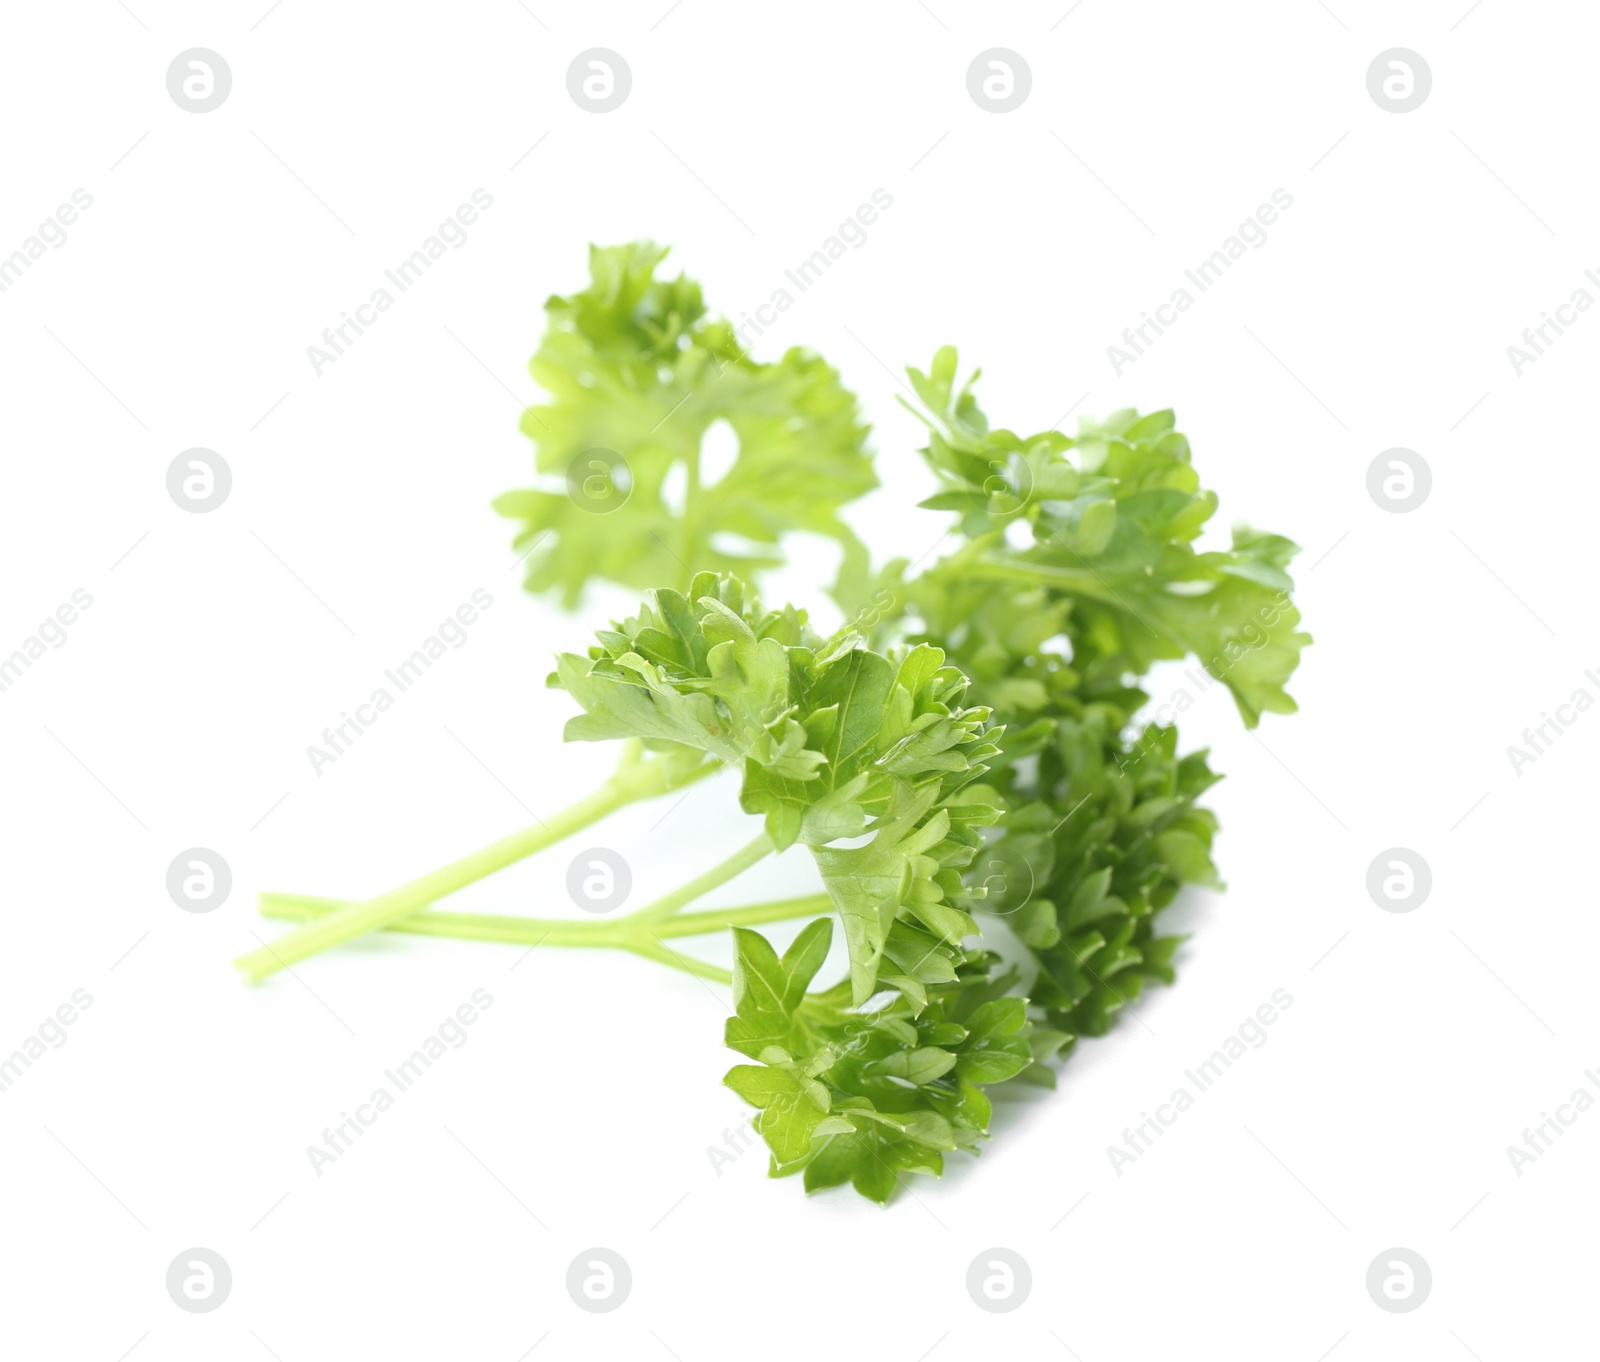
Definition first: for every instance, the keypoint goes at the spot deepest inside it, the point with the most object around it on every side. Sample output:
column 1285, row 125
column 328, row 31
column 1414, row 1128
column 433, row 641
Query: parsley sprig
column 965, row 760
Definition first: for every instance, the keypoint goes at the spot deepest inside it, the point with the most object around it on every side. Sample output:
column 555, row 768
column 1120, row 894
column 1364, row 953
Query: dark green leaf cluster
column 1102, row 826
column 865, row 1095
column 636, row 370
column 1100, row 834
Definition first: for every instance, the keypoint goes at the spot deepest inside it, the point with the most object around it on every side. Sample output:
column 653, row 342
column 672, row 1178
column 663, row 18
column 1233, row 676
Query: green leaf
column 997, row 1042
column 871, row 883
column 918, row 1067
column 767, row 990
column 1110, row 537
column 834, row 740
column 899, row 1090
column 1188, row 857
column 637, row 374
column 791, row 1113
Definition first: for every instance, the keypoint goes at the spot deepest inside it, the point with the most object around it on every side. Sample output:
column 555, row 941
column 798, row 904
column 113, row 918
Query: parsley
column 964, row 758
column 834, row 740
column 635, row 368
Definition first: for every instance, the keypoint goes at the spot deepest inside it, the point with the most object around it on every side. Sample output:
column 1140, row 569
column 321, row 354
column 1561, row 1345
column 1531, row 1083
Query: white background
column 178, row 313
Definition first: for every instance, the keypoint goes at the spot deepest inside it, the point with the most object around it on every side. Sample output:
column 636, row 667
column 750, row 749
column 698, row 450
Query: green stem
column 645, row 939
column 746, row 915
column 758, row 848
column 636, row 778
column 550, row 931
column 687, row 963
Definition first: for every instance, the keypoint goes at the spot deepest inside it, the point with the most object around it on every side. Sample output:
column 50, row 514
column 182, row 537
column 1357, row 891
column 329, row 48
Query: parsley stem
column 746, row 915
column 636, row 778
column 667, row 956
column 755, row 850
column 553, row 931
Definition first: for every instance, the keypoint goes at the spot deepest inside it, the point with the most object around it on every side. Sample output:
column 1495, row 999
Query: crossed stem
column 324, row 922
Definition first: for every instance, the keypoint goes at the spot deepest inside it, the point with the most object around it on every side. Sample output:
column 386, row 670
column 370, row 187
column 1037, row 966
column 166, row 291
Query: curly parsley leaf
column 1077, row 573
column 1108, row 522
column 848, row 1095
column 835, row 742
column 1102, row 823
column 637, row 372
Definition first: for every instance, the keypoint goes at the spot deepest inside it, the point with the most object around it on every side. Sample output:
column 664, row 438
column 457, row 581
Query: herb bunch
column 964, row 758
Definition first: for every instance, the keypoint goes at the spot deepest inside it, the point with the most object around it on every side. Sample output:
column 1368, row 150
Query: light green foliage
column 634, row 366
column 835, row 742
column 1110, row 520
